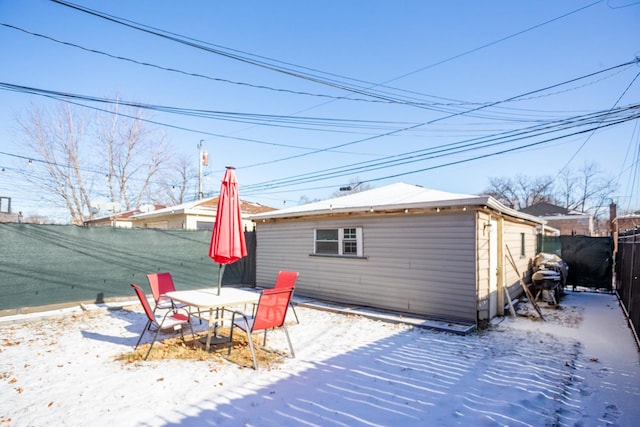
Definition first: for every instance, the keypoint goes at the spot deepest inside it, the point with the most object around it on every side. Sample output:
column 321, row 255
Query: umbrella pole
column 220, row 274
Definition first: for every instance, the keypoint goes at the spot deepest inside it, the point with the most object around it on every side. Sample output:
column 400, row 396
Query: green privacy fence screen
column 53, row 264
column 590, row 259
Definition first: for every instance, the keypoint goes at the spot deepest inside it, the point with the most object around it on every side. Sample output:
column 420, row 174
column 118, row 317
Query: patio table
column 208, row 299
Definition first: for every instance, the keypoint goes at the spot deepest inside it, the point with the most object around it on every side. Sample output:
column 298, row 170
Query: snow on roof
column 394, row 196
column 208, row 205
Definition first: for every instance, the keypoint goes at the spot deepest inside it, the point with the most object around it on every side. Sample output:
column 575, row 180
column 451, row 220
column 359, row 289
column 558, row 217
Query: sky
column 306, row 97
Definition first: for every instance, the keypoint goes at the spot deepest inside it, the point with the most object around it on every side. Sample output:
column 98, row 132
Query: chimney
column 613, row 226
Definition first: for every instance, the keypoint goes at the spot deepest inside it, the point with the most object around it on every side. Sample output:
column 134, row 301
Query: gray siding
column 423, row 264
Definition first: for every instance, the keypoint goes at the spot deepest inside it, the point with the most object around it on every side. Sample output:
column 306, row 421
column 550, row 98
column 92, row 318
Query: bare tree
column 180, row 181
column 521, row 191
column 133, row 157
column 595, row 189
column 72, row 159
column 57, row 137
column 589, row 190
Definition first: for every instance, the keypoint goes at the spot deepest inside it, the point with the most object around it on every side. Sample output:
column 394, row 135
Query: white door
column 493, row 269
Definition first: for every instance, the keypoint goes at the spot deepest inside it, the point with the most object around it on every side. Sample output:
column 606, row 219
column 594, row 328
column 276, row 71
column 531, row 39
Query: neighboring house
column 197, row 215
column 621, row 225
column 627, row 223
column 9, row 217
column 119, row 219
column 401, row 247
column 569, row 222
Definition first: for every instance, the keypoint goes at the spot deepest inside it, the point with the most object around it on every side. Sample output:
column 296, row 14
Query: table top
column 209, row 298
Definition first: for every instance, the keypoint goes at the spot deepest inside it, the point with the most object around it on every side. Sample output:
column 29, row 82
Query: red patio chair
column 269, row 314
column 171, row 320
column 160, row 284
column 287, row 280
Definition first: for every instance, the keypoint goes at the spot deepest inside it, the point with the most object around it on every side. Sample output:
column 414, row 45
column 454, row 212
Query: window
column 338, row 241
column 522, row 252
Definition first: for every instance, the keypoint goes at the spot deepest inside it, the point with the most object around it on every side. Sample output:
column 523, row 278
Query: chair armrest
column 239, row 312
column 244, row 317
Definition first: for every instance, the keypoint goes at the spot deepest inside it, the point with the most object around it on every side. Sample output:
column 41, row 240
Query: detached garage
column 401, row 247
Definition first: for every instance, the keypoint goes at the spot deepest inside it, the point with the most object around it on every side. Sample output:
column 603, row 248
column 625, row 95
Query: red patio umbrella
column 227, row 241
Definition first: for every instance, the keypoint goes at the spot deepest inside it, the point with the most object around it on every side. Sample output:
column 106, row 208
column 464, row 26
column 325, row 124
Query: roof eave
column 480, row 201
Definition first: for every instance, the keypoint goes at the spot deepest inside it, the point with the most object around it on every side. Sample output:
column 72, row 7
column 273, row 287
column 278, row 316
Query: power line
column 269, row 63
column 460, row 147
column 467, row 160
column 187, row 73
column 463, row 113
column 442, row 107
column 225, row 52
column 67, row 96
column 486, row 45
column 590, row 135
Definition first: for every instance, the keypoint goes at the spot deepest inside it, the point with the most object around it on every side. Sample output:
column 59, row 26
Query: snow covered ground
column 579, row 368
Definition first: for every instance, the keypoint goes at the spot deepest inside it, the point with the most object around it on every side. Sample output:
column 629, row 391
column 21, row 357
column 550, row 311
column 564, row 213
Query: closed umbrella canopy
column 227, row 241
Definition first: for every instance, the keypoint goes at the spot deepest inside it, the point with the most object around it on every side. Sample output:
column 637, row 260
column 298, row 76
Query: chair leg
column 146, row 327
column 253, row 352
column 155, row 336
column 294, row 312
column 288, row 340
column 230, row 338
column 193, row 335
column 154, row 313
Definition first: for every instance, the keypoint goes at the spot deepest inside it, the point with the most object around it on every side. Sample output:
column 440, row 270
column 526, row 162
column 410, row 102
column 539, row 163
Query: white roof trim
column 185, row 208
column 394, row 196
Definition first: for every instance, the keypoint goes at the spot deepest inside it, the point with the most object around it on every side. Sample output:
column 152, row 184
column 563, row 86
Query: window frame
column 352, row 233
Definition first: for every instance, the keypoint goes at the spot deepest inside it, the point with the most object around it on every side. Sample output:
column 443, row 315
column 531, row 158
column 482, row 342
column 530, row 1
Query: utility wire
column 227, row 54
column 486, row 45
column 468, row 52
column 55, row 94
column 483, row 156
column 268, row 63
column 590, row 135
column 484, row 106
column 187, row 73
column 443, row 107
column 460, row 147
column 67, row 97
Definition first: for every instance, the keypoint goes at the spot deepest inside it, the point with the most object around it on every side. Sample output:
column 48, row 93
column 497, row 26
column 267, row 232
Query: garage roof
column 394, row 196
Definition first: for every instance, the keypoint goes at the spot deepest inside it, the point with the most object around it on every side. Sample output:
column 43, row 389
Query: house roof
column 393, row 197
column 549, row 210
column 124, row 216
column 202, row 206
